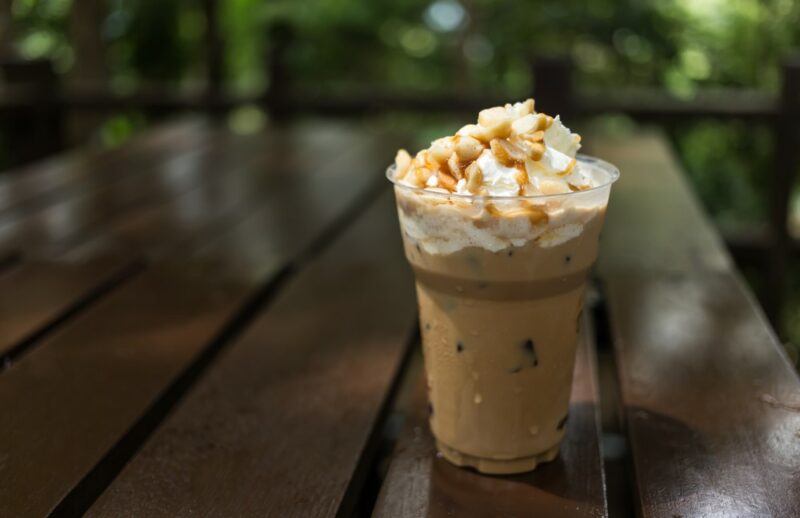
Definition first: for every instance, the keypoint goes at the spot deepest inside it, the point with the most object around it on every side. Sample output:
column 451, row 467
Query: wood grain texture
column 142, row 180
column 256, row 177
column 654, row 221
column 92, row 379
column 35, row 294
column 419, row 484
column 277, row 426
column 712, row 406
column 77, row 392
column 60, row 177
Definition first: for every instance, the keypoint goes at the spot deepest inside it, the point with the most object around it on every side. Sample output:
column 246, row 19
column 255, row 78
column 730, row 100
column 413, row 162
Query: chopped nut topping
column 496, row 116
column 528, row 124
column 522, row 178
column 422, row 174
column 468, row 148
column 506, row 152
column 536, row 151
column 441, row 149
column 536, row 136
column 474, row 177
column 446, row 181
column 515, row 134
column 454, row 165
column 403, row 162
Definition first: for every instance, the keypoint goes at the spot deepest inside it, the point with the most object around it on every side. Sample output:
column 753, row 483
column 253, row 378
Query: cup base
column 497, row 466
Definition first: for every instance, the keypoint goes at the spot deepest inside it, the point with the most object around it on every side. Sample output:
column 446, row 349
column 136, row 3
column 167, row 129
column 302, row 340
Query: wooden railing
column 32, row 104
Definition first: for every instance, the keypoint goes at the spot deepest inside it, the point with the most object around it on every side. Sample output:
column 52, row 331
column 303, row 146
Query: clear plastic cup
column 500, row 284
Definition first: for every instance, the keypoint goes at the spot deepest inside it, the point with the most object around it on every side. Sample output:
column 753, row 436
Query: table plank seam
column 83, row 303
column 628, row 463
column 617, row 479
column 343, row 220
column 92, row 485
column 81, row 497
column 357, row 495
column 591, row 324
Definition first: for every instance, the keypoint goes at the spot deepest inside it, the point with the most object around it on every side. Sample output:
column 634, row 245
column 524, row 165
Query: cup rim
column 609, row 168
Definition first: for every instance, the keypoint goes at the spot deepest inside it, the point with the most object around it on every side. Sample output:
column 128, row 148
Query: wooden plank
column 56, row 178
column 278, row 426
column 222, row 178
column 237, row 185
column 99, row 380
column 712, row 406
column 420, row 484
column 66, row 217
column 35, row 296
column 77, row 393
column 286, row 208
column 710, row 401
column 208, row 189
column 654, row 220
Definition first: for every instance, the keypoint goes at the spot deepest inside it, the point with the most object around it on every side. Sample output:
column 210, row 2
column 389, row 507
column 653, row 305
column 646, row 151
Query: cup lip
column 609, row 168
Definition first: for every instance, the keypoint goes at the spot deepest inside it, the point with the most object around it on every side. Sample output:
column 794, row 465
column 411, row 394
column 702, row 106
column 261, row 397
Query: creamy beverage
column 501, row 224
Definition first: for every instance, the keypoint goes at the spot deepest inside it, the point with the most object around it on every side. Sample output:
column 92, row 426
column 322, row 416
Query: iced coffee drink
column 501, row 223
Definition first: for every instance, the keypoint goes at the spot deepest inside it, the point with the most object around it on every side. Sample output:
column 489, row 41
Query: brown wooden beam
column 783, row 175
column 641, row 104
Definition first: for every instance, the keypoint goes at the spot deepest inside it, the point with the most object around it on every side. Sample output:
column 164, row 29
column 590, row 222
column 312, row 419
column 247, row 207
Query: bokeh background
column 720, row 78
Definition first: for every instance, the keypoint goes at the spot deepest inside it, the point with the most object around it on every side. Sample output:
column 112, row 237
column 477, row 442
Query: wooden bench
column 206, row 323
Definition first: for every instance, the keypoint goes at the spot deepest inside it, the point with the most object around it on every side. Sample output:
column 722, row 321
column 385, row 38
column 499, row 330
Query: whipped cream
column 490, row 184
column 498, row 180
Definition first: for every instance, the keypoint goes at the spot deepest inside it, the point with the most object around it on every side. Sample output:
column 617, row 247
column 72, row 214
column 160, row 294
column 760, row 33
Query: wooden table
column 200, row 323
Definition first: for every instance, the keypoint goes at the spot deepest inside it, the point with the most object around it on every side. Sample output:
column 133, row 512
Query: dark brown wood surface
column 190, row 195
column 654, row 221
column 711, row 404
column 239, row 350
column 91, row 380
column 248, row 176
column 278, row 426
column 35, row 295
column 419, row 484
column 133, row 183
column 106, row 369
column 712, row 407
column 72, row 174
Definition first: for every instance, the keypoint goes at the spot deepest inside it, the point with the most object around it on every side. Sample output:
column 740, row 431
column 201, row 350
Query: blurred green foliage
column 40, row 30
column 442, row 44
column 466, row 45
column 729, row 163
column 474, row 45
